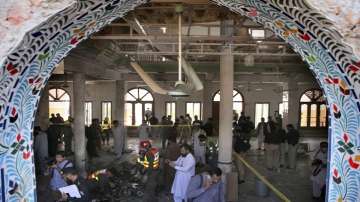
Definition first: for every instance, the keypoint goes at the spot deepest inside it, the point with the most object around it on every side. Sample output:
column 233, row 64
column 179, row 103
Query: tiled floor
column 295, row 184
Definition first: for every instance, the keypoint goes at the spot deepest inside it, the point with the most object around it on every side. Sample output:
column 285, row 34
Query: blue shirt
column 197, row 193
column 57, row 181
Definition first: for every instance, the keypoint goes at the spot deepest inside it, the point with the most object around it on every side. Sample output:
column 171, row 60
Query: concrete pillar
column 42, row 117
column 207, row 100
column 226, row 107
column 120, row 101
column 120, row 105
column 293, row 112
column 79, row 121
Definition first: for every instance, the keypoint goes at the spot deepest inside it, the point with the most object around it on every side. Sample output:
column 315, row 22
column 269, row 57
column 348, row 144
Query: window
column 261, row 111
column 88, row 113
column 283, row 107
column 106, row 111
column 238, row 101
column 59, row 102
column 257, row 33
column 139, row 103
column 171, row 110
column 313, row 111
column 194, row 109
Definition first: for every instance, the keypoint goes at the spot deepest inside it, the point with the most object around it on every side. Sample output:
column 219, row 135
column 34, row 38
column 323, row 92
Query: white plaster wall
column 99, row 91
column 346, row 19
column 19, row 16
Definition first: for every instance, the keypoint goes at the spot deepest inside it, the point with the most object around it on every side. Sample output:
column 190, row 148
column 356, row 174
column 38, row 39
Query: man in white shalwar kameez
column 318, row 177
column 118, row 133
column 185, row 169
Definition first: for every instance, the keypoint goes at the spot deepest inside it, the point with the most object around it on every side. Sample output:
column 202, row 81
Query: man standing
column 208, row 127
column 185, row 169
column 148, row 114
column 293, row 140
column 144, row 131
column 164, row 128
column 41, row 149
column 206, row 187
column 68, row 135
column 172, row 152
column 118, row 134
column 260, row 133
column 92, row 133
column 199, row 143
column 196, row 120
column 273, row 140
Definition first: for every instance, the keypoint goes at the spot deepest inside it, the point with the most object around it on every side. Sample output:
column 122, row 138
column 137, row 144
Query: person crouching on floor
column 72, row 178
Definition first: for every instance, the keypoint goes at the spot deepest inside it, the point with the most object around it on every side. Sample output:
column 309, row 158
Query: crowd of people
column 53, row 145
column 280, row 147
column 184, row 144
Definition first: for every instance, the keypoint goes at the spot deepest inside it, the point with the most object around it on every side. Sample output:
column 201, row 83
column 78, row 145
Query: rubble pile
column 126, row 183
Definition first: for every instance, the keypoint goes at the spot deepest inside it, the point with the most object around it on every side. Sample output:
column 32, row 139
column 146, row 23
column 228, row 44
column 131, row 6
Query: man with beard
column 185, row 169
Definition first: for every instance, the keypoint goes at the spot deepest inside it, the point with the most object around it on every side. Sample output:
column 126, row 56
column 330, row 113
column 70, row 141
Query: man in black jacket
column 293, row 141
column 273, row 139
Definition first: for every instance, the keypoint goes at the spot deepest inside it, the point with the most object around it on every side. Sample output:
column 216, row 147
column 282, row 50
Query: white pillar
column 226, row 110
column 79, row 122
column 293, row 111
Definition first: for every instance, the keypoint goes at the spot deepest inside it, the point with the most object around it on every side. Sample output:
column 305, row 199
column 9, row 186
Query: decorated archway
column 26, row 70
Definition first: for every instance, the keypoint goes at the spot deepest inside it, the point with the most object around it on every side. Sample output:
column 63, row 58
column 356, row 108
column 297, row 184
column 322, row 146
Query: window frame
column 238, row 91
column 269, row 110
column 58, row 100
column 309, row 104
column 170, row 102
column 91, row 103
column 111, row 110
column 134, row 102
column 195, row 102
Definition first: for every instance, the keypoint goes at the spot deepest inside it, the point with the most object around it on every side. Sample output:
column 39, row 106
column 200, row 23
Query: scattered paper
column 72, row 190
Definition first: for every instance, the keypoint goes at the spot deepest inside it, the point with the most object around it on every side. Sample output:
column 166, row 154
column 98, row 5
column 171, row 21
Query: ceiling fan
column 182, row 88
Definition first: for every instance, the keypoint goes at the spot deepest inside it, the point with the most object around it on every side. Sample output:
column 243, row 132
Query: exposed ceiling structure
column 150, row 33
column 19, row 16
